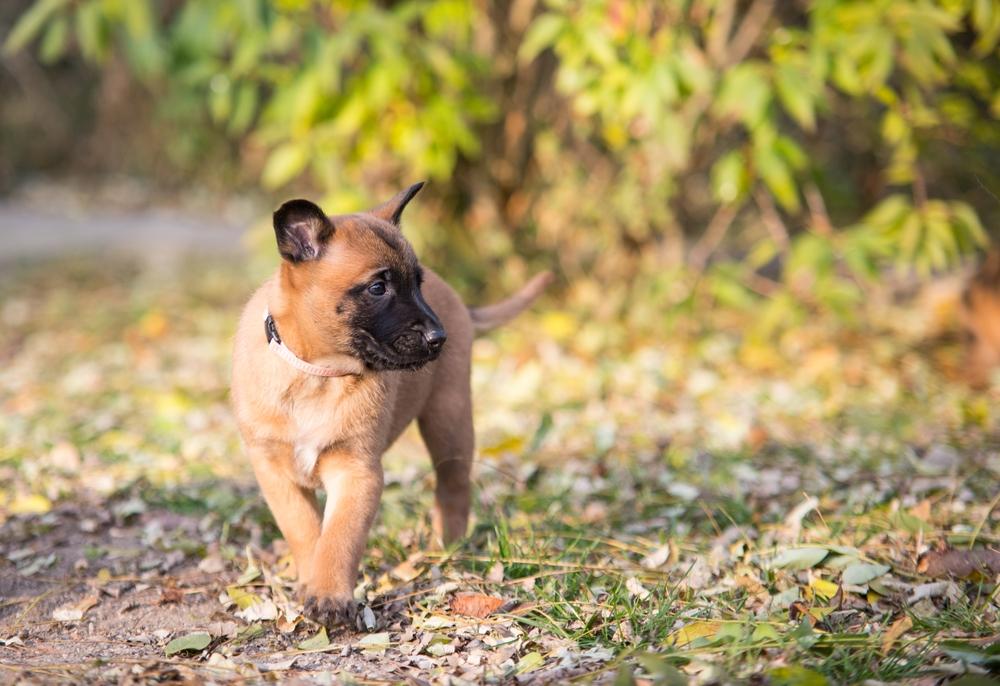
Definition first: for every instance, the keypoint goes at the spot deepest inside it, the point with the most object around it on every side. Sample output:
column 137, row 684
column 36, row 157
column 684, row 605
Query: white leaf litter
column 657, row 558
column 263, row 610
column 636, row 589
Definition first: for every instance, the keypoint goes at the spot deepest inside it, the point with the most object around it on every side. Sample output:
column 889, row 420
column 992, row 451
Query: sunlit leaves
column 657, row 96
column 31, row 24
column 745, row 94
column 729, row 178
column 930, row 237
column 542, row 34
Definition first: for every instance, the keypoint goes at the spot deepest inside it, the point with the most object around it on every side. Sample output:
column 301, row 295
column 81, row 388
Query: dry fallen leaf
column 658, row 557
column 409, row 569
column 495, row 575
column 959, row 563
column 898, row 628
column 697, row 629
column 171, row 594
column 636, row 589
column 72, row 612
column 475, row 604
column 799, row 609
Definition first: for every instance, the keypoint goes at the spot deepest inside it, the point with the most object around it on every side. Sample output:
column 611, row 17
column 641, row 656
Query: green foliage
column 838, row 138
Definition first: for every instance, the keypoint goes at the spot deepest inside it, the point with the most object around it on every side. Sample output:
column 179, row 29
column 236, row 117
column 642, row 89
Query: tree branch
column 772, row 220
column 817, row 210
column 749, row 31
column 714, row 233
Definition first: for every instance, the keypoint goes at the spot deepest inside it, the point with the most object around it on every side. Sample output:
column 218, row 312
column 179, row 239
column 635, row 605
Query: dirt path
column 31, row 230
column 95, row 594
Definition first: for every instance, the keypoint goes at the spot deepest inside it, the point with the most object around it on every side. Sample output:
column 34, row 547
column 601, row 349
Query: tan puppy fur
column 350, row 294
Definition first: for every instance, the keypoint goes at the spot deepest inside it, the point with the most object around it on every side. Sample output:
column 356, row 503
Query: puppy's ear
column 391, row 210
column 302, row 229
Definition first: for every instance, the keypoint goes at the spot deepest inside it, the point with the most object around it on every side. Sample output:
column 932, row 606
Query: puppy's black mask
column 392, row 326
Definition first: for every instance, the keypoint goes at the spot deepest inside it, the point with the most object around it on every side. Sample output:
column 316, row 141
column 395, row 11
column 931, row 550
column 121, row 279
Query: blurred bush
column 758, row 154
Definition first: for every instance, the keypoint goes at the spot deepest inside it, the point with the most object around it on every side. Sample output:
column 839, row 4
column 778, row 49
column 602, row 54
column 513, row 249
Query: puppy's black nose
column 435, row 338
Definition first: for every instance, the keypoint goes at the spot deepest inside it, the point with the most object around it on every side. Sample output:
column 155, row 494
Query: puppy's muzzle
column 422, row 341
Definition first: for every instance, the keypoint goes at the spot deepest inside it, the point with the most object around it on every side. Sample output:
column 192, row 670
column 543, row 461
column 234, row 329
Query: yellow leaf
column 511, row 444
column 30, row 504
column 820, row 612
column 242, row 598
column 559, row 325
column 153, row 324
column 823, row 588
column 694, row 630
column 898, row 628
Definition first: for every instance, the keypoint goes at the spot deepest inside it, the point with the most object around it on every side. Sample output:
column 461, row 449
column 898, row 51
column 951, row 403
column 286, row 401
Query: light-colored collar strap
column 282, row 351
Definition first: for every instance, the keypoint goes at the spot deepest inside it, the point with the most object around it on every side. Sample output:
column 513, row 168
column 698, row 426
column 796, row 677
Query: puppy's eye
column 377, row 288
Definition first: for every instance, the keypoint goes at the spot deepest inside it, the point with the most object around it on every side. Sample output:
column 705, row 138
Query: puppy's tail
column 491, row 316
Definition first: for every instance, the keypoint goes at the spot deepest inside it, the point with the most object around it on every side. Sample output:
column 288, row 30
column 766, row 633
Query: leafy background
column 734, row 441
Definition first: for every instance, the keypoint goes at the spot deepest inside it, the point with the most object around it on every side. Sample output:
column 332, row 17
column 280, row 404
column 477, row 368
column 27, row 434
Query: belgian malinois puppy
column 980, row 313
column 334, row 356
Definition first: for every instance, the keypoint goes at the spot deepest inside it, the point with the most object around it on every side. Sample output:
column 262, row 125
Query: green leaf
column 907, row 522
column 529, row 663
column 90, row 31
column 666, row 674
column 55, row 40
column 244, row 108
column 863, row 572
column 729, row 178
column 799, row 558
column 794, row 675
column 284, row 164
column 30, row 24
column 250, row 573
column 624, row 677
column 375, row 643
column 795, row 93
column 745, row 94
column 966, row 216
column 320, row 640
column 804, row 635
column 542, row 34
column 973, row 655
column 973, row 680
column 765, row 632
column 889, row 213
column 777, row 176
column 199, row 640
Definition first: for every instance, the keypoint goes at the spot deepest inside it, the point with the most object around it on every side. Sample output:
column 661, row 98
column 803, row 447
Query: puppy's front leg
column 353, row 487
column 293, row 507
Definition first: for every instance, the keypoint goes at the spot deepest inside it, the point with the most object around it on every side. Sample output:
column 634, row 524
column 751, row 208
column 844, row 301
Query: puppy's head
column 357, row 281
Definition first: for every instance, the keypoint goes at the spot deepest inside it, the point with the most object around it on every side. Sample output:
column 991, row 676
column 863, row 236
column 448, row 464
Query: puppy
column 335, row 355
column 980, row 315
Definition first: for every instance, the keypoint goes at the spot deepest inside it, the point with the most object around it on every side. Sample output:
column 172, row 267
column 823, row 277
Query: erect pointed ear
column 391, row 210
column 302, row 229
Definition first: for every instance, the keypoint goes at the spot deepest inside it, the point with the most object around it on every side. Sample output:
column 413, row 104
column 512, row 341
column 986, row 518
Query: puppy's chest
column 334, row 416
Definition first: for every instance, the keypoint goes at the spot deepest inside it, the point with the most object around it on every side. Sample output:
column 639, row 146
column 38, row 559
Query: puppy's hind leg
column 446, row 427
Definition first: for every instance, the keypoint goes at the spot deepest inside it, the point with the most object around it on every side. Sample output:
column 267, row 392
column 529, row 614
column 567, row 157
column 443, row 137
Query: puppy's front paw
column 331, row 611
